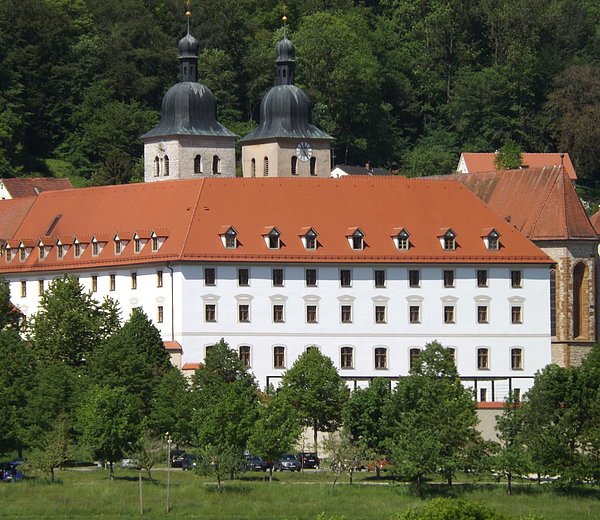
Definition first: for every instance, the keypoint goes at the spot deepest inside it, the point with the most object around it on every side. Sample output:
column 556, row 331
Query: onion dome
column 285, row 110
column 188, row 107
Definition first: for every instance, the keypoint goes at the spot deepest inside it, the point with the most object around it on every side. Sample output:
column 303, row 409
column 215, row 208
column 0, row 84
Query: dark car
column 287, row 462
column 177, row 458
column 9, row 471
column 308, row 459
column 188, row 462
column 254, row 463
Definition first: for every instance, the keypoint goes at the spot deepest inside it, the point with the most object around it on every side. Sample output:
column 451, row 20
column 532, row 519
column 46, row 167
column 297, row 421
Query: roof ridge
column 191, row 221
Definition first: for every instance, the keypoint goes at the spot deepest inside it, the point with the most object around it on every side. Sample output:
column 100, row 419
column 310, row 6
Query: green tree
column 276, row 431
column 220, row 461
column 314, row 387
column 509, row 157
column 431, row 417
column 225, row 401
column 133, row 358
column 110, row 421
column 171, row 408
column 69, row 323
column 10, row 315
column 148, row 450
column 346, row 455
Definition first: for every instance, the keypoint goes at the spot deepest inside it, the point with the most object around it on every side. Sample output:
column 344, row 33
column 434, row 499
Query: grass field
column 89, row 494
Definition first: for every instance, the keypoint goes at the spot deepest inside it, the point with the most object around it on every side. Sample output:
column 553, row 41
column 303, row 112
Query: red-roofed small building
column 484, row 162
column 28, row 187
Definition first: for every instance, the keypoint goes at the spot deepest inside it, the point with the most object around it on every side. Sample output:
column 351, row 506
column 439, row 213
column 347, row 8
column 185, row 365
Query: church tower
column 285, row 143
column 188, row 142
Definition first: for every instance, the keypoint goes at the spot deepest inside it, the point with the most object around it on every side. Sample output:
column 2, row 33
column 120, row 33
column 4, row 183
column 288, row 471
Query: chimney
column 368, row 166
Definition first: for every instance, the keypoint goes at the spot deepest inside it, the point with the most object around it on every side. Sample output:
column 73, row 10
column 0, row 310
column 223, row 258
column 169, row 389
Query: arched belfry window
column 313, row 165
column 167, row 171
column 294, row 165
column 581, row 302
column 198, row 164
column 253, row 167
column 216, row 165
column 266, row 167
column 156, row 166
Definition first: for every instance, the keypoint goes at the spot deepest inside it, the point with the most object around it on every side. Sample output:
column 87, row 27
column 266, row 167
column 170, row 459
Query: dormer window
column 154, row 244
column 230, row 238
column 118, row 246
column 310, row 239
column 22, row 253
column 274, row 239
column 9, row 254
column 60, row 250
column 448, row 240
column 95, row 248
column 403, row 240
column 357, row 240
column 77, row 246
column 42, row 251
column 492, row 240
column 137, row 244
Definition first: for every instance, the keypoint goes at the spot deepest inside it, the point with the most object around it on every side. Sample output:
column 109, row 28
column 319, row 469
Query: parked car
column 254, row 463
column 188, row 462
column 287, row 462
column 308, row 459
column 10, row 472
column 130, row 464
column 379, row 465
column 177, row 458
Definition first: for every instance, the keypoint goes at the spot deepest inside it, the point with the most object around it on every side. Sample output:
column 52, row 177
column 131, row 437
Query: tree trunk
column 149, row 475
column 51, row 474
column 350, row 473
column 449, row 479
column 270, row 472
column 111, row 472
column 509, row 478
column 315, row 435
column 218, row 480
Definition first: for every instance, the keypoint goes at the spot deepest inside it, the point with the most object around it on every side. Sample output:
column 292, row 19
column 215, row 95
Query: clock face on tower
column 303, row 151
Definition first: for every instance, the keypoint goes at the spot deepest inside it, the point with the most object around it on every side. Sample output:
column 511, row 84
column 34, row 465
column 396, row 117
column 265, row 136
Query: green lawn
column 89, row 494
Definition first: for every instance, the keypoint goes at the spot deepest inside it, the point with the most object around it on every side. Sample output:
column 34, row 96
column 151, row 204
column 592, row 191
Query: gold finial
column 187, row 5
column 284, row 18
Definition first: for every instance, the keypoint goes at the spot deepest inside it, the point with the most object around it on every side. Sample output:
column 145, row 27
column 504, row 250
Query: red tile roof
column 595, row 220
column 195, row 212
column 192, row 366
column 28, row 187
column 12, row 213
column 484, row 162
column 173, row 346
column 540, row 202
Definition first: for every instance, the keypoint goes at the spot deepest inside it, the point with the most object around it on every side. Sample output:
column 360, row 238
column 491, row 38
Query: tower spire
column 286, row 58
column 188, row 14
column 188, row 52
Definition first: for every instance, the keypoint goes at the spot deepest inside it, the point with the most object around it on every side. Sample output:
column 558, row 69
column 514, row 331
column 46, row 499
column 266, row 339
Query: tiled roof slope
column 12, row 213
column 539, row 202
column 194, row 213
column 595, row 220
column 484, row 162
column 26, row 187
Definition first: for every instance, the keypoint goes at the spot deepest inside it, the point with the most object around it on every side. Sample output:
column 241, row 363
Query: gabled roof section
column 12, row 213
column 595, row 220
column 539, row 202
column 197, row 211
column 484, row 162
column 30, row 187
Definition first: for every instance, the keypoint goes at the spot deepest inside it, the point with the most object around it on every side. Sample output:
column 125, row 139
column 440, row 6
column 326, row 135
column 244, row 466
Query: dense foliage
column 399, row 83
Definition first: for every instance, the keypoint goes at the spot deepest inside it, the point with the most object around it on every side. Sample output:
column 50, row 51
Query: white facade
column 380, row 316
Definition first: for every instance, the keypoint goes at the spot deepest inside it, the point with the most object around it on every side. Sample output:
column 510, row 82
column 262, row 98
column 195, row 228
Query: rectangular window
column 516, row 359
column 60, row 251
column 482, row 395
column 414, row 314
column 23, row 289
column 482, row 314
column 209, row 276
column 516, row 281
column 95, row 249
column 346, row 313
column 345, row 278
column 278, row 313
column 379, row 278
column 118, row 247
column 413, row 356
column 40, row 287
column 160, row 314
column 449, row 314
column 516, row 314
column 277, row 277
column 112, row 282
column 311, row 314
column 243, row 277
column 380, row 358
column 449, row 243
column 448, row 278
column 210, row 312
column 483, row 360
column 42, row 253
column 403, row 243
column 134, row 281
column 347, row 357
column 482, row 278
column 137, row 245
column 379, row 313
column 279, row 357
column 77, row 250
column 311, row 242
column 245, row 355
column 94, row 283
column 414, row 278
column 244, row 313
column 154, row 244
column 230, row 241
column 311, row 277
column 159, row 278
